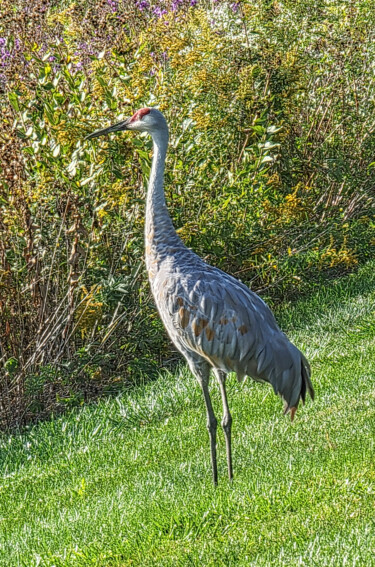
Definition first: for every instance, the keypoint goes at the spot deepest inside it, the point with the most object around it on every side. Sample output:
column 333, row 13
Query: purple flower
column 113, row 4
column 176, row 4
column 142, row 5
column 159, row 12
column 4, row 55
column 51, row 58
column 193, row 2
column 2, row 41
column 235, row 6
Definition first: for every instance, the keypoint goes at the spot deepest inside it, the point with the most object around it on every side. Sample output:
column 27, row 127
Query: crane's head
column 148, row 120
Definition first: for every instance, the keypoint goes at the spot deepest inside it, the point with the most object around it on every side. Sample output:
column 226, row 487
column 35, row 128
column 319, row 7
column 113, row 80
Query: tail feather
column 284, row 366
column 280, row 363
column 306, row 386
column 306, row 382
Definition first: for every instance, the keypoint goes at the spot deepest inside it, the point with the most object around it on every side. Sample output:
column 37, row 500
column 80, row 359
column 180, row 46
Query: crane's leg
column 227, row 420
column 201, row 371
column 211, row 426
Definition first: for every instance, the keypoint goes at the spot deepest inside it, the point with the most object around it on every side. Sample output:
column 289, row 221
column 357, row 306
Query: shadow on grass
column 327, row 294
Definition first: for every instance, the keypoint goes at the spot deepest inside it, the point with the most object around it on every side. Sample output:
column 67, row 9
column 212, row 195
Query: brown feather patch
column 210, row 333
column 199, row 326
column 184, row 317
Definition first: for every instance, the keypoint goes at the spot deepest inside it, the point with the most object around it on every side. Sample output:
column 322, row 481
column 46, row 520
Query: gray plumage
column 214, row 320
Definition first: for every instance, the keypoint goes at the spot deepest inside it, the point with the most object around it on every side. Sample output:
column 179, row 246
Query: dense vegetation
column 127, row 482
column 269, row 175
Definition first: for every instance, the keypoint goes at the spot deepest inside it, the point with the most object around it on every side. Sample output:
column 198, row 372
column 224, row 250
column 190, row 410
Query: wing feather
column 211, row 314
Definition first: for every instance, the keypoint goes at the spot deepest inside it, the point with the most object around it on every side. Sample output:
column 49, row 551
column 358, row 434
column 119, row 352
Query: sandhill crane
column 214, row 320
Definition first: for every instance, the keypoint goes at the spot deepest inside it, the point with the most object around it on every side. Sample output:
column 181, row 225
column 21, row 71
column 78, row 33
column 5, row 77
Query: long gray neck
column 159, row 230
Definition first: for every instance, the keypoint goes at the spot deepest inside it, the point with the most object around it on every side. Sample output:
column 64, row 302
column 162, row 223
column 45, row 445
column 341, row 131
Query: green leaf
column 13, row 99
column 258, row 129
column 11, row 365
column 49, row 112
column 273, row 129
column 57, row 150
column 226, row 203
column 270, row 145
column 28, row 150
column 20, row 134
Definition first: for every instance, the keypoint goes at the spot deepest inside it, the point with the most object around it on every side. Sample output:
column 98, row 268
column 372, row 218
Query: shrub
column 269, row 173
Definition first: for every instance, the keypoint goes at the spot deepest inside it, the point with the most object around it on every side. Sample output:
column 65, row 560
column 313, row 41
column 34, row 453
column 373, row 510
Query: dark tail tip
column 306, row 386
column 291, row 410
column 306, row 382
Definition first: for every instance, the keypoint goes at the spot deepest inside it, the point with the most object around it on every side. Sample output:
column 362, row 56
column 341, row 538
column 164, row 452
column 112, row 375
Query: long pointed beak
column 114, row 128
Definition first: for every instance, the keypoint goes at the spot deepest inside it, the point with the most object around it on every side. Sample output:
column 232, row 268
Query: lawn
column 128, row 481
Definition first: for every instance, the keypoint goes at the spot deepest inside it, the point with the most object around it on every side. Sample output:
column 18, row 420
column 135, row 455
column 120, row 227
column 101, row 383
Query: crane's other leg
column 227, row 419
column 201, row 371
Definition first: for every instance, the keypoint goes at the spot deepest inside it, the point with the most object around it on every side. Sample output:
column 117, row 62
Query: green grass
column 128, row 481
